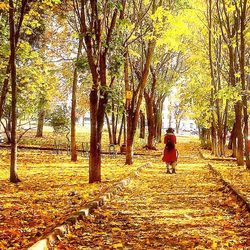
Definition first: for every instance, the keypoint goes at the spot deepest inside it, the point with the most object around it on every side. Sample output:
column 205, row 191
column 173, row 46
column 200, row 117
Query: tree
column 141, row 71
column 12, row 64
column 97, row 29
column 115, row 110
column 41, row 117
column 18, row 21
column 16, row 38
column 73, row 105
column 59, row 119
column 229, row 26
column 242, row 8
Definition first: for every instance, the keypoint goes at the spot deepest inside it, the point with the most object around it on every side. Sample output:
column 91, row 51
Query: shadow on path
column 187, row 210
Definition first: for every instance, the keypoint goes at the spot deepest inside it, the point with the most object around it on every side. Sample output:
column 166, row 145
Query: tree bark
column 95, row 147
column 149, row 96
column 242, row 16
column 73, row 105
column 114, row 122
column 133, row 114
column 109, row 129
column 214, row 140
column 94, row 29
column 150, row 119
column 41, row 117
column 142, row 125
column 238, row 118
column 8, row 68
column 134, row 109
column 210, row 38
column 13, row 162
column 121, row 128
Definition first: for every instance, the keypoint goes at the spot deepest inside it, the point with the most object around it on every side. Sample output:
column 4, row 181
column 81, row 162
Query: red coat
column 170, row 156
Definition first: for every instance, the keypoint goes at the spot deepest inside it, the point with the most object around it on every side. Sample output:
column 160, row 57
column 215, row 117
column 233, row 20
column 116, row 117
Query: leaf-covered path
column 187, row 210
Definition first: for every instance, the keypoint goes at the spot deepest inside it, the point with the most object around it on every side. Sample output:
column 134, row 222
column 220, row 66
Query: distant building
column 187, row 125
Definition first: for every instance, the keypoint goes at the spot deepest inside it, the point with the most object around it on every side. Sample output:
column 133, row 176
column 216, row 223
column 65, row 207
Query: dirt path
column 187, row 210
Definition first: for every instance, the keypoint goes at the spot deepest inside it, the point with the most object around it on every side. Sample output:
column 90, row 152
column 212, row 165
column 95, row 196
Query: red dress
column 170, row 156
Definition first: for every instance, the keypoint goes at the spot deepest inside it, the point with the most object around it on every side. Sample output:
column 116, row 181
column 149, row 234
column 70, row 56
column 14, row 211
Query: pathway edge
column 48, row 241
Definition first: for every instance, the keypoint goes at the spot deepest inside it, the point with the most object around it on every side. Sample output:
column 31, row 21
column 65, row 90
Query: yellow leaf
column 7, row 205
column 214, row 245
column 229, row 231
column 116, row 229
column 118, row 245
column 3, row 6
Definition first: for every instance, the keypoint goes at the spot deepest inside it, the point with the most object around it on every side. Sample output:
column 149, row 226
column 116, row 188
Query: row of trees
column 114, row 43
column 217, row 85
column 120, row 43
column 112, row 57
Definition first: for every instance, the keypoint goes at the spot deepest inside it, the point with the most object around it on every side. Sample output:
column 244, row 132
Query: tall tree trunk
column 116, row 125
column 233, row 141
column 142, row 125
column 225, row 128
column 8, row 121
column 8, row 68
column 128, row 140
column 238, row 118
column 149, row 102
column 121, row 127
column 243, row 11
column 221, row 118
column 109, row 129
column 73, row 105
column 134, row 109
column 94, row 27
column 41, row 117
column 98, row 121
column 213, row 140
column 13, row 162
column 95, row 146
column 150, row 119
column 114, row 122
column 133, row 114
column 210, row 39
column 178, row 123
column 125, row 130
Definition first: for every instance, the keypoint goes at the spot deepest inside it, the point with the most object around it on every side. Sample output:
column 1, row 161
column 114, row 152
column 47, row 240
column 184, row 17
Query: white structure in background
column 86, row 119
column 187, row 126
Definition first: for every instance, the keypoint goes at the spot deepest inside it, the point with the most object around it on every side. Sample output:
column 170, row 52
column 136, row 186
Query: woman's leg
column 168, row 170
column 174, row 167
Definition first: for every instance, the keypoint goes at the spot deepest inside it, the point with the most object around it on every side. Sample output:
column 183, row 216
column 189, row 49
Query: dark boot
column 168, row 171
column 173, row 171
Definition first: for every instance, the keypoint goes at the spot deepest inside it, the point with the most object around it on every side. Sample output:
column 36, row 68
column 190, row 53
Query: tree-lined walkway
column 161, row 211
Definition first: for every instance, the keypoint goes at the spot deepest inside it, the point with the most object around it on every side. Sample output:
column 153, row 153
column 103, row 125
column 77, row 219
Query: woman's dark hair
column 170, row 130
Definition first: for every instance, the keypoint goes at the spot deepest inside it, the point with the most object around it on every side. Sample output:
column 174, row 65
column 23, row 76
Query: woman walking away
column 170, row 152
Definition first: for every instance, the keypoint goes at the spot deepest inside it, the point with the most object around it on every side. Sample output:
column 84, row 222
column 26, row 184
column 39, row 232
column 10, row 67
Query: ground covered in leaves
column 52, row 188
column 187, row 210
column 156, row 211
column 237, row 176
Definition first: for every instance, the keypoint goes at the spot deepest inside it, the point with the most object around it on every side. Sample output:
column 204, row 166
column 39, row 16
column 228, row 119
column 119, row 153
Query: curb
column 48, row 242
column 242, row 200
column 215, row 158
